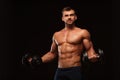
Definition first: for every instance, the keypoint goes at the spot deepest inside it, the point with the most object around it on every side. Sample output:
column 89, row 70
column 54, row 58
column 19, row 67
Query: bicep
column 88, row 47
column 87, row 44
column 54, row 48
column 87, row 40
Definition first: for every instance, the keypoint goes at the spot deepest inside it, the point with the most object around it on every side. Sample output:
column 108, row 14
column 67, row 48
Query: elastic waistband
column 69, row 68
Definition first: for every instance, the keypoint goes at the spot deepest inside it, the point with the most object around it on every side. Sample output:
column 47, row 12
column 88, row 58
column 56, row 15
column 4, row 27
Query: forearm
column 91, row 52
column 48, row 57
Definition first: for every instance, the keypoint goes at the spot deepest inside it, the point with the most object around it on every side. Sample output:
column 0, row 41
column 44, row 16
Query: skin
column 69, row 43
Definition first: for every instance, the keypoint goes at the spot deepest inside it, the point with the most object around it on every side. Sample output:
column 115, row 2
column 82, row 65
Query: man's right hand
column 25, row 59
column 31, row 60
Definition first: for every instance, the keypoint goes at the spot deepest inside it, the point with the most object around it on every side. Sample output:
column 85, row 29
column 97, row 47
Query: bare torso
column 70, row 47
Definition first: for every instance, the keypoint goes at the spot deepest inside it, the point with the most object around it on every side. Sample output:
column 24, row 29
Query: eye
column 72, row 14
column 66, row 15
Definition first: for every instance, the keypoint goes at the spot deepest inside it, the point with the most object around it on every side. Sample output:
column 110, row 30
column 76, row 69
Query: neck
column 69, row 27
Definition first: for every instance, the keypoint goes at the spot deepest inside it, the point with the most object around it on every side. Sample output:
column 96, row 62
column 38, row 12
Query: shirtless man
column 68, row 44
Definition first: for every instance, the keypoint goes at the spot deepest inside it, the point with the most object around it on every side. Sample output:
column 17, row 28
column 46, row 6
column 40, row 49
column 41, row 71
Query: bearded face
column 69, row 17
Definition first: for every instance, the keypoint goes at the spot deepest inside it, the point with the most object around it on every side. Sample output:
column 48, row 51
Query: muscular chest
column 69, row 37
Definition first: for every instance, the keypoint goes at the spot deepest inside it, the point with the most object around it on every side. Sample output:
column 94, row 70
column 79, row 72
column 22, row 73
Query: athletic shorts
column 72, row 73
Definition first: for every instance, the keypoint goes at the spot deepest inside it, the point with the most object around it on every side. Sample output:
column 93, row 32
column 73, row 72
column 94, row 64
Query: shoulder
column 85, row 33
column 56, row 34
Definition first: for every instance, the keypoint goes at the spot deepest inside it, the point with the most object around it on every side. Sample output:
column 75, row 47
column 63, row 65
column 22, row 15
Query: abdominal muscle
column 69, row 55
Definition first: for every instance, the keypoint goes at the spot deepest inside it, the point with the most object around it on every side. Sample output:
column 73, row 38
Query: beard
column 69, row 21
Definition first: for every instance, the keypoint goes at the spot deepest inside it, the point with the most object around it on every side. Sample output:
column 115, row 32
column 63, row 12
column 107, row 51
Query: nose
column 69, row 17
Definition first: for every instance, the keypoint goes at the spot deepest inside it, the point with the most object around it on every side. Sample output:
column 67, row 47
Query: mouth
column 69, row 20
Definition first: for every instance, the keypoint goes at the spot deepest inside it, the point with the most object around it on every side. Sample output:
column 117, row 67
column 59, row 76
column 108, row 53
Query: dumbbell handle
column 99, row 52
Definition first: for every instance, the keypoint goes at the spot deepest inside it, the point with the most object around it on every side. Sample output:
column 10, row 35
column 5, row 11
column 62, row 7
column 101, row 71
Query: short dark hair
column 67, row 9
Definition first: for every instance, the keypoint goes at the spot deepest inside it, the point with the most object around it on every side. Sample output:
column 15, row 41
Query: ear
column 75, row 17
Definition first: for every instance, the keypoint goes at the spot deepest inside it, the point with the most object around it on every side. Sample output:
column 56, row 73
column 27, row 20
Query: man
column 68, row 44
